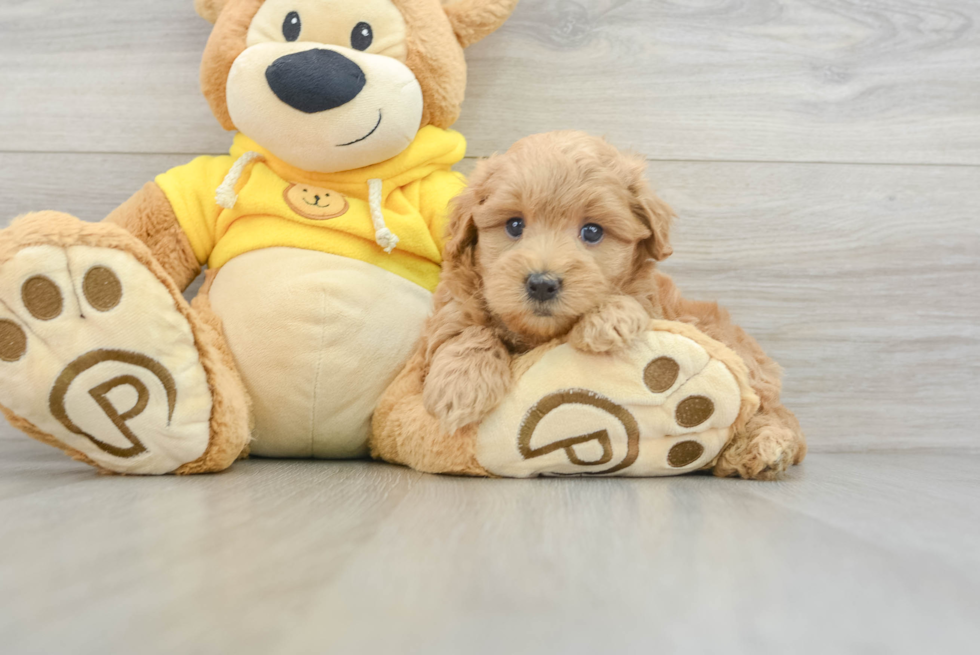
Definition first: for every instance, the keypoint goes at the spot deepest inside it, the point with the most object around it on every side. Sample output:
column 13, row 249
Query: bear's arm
column 149, row 216
column 176, row 216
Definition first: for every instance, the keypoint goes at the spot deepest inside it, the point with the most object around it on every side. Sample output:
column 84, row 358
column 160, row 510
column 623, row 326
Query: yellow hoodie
column 265, row 203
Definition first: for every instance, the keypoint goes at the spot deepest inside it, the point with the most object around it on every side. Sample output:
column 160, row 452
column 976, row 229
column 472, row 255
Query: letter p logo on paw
column 666, row 406
column 555, row 414
column 100, row 394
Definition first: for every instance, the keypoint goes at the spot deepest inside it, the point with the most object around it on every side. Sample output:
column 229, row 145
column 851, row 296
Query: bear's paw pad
column 665, row 407
column 95, row 354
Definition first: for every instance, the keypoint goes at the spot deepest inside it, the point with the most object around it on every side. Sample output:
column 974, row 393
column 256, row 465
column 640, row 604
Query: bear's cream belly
column 317, row 338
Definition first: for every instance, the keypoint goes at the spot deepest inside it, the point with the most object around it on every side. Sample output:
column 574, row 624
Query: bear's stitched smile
column 373, row 130
column 316, row 203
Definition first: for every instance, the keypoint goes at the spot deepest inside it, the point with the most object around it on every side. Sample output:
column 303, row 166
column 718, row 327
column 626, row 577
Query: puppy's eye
column 292, row 26
column 361, row 37
column 515, row 227
column 591, row 233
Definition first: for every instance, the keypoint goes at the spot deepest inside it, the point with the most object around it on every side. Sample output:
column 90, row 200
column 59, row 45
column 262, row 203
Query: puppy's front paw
column 467, row 379
column 611, row 328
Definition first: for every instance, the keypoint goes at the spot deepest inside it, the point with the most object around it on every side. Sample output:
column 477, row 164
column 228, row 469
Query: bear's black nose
column 315, row 80
column 543, row 287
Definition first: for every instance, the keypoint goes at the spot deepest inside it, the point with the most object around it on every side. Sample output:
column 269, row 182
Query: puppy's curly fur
column 555, row 184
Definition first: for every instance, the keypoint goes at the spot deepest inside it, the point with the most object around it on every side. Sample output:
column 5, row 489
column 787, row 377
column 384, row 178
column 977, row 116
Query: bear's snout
column 315, row 80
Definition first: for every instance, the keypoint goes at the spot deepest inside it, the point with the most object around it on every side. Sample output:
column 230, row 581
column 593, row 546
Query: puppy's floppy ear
column 652, row 212
column 209, row 9
column 474, row 19
column 459, row 275
column 461, row 233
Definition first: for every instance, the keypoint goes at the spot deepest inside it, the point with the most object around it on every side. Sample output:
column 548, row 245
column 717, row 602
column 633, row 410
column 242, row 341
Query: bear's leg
column 102, row 357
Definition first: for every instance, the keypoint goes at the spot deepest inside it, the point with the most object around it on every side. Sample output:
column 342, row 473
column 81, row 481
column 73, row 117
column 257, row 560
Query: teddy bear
column 321, row 232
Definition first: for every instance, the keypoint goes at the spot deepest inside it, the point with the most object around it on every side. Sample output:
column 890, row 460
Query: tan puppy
column 558, row 239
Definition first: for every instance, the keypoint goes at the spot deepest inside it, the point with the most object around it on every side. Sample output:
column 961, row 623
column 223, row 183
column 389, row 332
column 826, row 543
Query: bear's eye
column 515, row 227
column 361, row 37
column 292, row 26
column 592, row 234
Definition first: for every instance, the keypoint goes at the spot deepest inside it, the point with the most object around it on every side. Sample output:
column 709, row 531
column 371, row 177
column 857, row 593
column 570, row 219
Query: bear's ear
column 474, row 19
column 209, row 9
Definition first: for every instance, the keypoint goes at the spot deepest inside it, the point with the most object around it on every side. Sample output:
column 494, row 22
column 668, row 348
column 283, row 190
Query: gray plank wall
column 823, row 157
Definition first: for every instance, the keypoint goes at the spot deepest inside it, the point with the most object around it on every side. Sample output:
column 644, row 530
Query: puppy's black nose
column 315, row 80
column 543, row 287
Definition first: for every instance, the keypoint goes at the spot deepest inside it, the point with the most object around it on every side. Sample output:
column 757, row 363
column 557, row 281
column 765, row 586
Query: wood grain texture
column 785, row 80
column 104, row 76
column 88, row 186
column 745, row 80
column 315, row 557
column 860, row 280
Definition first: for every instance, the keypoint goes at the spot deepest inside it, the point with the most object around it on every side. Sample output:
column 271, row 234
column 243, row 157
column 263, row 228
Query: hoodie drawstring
column 382, row 235
column 226, row 197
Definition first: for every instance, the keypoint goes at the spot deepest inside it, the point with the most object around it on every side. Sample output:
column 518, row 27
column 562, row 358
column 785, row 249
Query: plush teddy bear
column 321, row 231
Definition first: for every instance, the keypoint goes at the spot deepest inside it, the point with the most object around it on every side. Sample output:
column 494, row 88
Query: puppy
column 558, row 238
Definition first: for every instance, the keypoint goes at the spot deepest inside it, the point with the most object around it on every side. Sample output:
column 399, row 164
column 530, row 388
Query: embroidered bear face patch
column 315, row 203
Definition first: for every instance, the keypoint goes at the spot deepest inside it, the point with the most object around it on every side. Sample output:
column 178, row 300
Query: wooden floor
column 852, row 553
column 824, row 161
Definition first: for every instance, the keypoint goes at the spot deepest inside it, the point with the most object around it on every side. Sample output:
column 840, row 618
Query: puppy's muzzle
column 543, row 287
column 315, row 80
